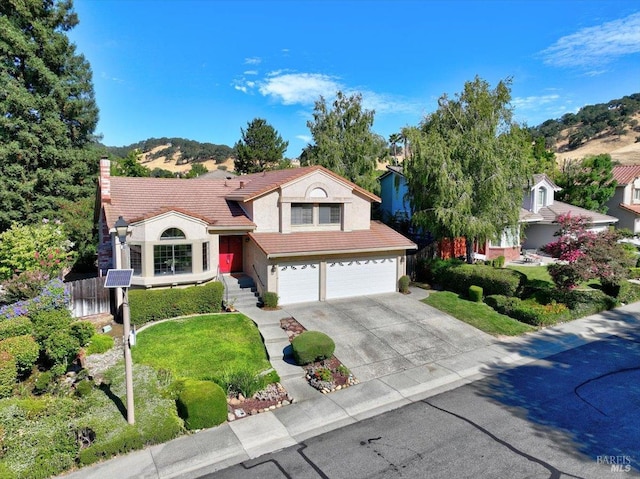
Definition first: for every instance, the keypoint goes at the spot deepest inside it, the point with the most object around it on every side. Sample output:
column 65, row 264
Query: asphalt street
column 575, row 414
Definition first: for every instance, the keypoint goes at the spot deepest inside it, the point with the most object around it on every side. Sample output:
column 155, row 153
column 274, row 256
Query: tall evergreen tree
column 468, row 165
column 343, row 140
column 47, row 112
column 261, row 148
column 587, row 183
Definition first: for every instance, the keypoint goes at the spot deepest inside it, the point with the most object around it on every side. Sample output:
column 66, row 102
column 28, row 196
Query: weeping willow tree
column 468, row 165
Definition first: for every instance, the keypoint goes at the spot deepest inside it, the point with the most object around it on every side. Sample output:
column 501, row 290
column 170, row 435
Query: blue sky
column 203, row 69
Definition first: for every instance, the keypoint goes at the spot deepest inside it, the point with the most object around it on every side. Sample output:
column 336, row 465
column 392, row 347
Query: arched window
column 172, row 258
column 172, row 234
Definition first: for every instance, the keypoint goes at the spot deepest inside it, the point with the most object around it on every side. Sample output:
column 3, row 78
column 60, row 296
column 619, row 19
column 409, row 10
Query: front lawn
column 478, row 315
column 202, row 347
column 538, row 275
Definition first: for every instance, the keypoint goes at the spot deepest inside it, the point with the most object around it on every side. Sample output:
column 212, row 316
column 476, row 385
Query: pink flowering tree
column 584, row 255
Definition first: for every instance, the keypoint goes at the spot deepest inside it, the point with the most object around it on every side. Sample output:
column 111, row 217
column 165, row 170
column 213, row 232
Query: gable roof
column 625, row 174
column 541, row 177
column 392, row 169
column 258, row 184
column 550, row 213
column 378, row 238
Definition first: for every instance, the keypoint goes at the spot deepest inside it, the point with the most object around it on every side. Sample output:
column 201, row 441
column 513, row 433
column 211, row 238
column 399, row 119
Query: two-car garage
column 337, row 278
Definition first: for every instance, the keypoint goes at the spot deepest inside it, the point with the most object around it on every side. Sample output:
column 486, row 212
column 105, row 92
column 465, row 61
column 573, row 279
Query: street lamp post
column 122, row 227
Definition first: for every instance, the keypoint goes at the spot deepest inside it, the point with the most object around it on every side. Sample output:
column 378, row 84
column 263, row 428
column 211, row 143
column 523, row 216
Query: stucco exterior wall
column 265, row 213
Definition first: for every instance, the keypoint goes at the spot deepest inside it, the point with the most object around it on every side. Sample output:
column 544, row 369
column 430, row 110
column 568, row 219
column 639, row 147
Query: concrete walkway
column 313, row 413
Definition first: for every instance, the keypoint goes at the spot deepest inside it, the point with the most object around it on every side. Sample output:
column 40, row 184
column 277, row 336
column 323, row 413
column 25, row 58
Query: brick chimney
column 105, row 180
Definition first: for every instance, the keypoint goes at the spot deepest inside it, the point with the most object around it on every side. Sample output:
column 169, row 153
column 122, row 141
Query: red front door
column 230, row 254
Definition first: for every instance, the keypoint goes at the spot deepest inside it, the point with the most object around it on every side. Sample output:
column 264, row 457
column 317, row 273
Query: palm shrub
column 311, row 346
column 201, row 404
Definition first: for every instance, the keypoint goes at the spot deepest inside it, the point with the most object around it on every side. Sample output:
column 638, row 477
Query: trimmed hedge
column 270, row 299
column 156, row 304
column 201, row 404
column 528, row 312
column 475, row 294
column 459, row 278
column 127, row 441
column 18, row 326
column 403, row 284
column 24, row 349
column 311, row 346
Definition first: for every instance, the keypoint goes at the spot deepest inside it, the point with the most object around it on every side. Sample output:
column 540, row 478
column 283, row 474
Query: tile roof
column 379, row 238
column 625, row 174
column 140, row 198
column 527, row 216
column 633, row 208
column 258, row 184
column 538, row 178
column 550, row 213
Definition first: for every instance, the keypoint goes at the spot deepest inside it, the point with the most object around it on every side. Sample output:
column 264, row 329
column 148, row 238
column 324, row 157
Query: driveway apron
column 384, row 334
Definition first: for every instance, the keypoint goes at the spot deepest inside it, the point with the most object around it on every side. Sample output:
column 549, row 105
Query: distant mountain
column 179, row 149
column 612, row 127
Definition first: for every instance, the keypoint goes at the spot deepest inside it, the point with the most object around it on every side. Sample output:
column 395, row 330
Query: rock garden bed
column 274, row 396
column 327, row 375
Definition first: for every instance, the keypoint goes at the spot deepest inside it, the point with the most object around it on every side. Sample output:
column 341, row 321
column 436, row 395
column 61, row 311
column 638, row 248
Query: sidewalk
column 313, row 413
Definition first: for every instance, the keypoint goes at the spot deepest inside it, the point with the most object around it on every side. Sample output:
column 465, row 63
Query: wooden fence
column 88, row 297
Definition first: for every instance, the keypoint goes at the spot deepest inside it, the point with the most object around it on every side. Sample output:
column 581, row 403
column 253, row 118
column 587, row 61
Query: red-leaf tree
column 584, row 255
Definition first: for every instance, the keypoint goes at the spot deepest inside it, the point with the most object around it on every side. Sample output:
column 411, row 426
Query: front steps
column 241, row 291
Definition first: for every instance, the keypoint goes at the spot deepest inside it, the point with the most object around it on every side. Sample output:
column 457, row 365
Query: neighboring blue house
column 393, row 192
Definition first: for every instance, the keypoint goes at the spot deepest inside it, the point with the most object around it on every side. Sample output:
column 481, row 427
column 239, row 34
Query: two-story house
column 537, row 218
column 303, row 233
column 539, row 201
column 625, row 202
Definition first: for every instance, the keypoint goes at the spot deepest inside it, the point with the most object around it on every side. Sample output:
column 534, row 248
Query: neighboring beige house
column 303, row 233
column 544, row 211
column 625, row 202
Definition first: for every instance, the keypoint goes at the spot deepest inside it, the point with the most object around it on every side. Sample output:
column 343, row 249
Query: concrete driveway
column 384, row 334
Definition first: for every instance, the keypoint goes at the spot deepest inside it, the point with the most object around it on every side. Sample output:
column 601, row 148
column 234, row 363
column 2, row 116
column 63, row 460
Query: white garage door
column 298, row 282
column 360, row 277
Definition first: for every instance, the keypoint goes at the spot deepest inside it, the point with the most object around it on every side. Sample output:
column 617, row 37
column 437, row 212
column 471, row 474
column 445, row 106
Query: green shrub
column 84, row 387
column 202, row 404
column 128, row 440
column 499, row 262
column 18, row 326
column 403, row 284
column 26, row 285
column 634, row 273
column 43, row 382
column 6, row 472
column 475, row 293
column 61, row 348
column 311, row 346
column 100, row 343
column 157, row 304
column 25, row 351
column 458, row 278
column 46, row 322
column 83, row 331
column 434, row 268
column 270, row 299
column 8, row 374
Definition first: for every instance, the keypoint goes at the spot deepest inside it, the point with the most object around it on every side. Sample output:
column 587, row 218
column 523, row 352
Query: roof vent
column 241, row 184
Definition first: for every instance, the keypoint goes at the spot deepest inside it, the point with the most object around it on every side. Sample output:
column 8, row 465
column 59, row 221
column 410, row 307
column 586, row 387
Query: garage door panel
column 360, row 277
column 298, row 282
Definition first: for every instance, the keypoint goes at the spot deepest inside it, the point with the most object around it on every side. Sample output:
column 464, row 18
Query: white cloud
column 299, row 88
column 534, row 102
column 252, row 61
column 597, row 45
column 305, row 138
column 241, row 88
column 251, row 72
